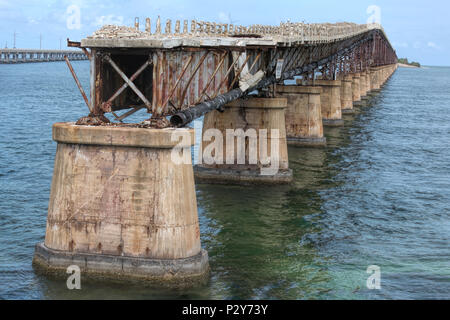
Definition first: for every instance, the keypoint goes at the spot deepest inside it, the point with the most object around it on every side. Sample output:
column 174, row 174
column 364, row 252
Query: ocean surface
column 378, row 194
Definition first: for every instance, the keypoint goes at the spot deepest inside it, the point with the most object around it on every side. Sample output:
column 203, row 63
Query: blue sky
column 419, row 30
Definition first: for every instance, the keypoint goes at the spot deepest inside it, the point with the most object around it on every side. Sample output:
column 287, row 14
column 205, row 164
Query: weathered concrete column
column 303, row 115
column 381, row 78
column 368, row 83
column 245, row 144
column 347, row 94
column 356, row 90
column 122, row 207
column 330, row 100
column 374, row 80
column 362, row 86
column 380, row 70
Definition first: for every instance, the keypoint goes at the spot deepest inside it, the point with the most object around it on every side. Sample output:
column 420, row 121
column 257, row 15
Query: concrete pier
column 246, row 125
column 368, row 83
column 120, row 207
column 356, row 90
column 347, row 95
column 363, row 86
column 375, row 80
column 303, row 115
column 330, row 100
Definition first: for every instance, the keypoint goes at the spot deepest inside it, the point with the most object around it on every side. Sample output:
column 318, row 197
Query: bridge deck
column 205, row 34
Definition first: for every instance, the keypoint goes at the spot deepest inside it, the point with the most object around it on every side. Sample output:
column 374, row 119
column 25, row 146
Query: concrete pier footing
column 356, row 90
column 363, row 86
column 347, row 95
column 304, row 126
column 368, row 84
column 330, row 100
column 123, row 206
column 254, row 145
column 375, row 80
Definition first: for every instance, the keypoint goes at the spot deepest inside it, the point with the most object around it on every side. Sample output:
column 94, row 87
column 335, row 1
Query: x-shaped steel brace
column 128, row 83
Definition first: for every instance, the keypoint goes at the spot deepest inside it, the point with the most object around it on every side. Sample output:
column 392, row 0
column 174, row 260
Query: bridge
column 34, row 55
column 123, row 201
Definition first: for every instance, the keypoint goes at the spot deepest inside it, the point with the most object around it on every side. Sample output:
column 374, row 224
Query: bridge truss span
column 182, row 74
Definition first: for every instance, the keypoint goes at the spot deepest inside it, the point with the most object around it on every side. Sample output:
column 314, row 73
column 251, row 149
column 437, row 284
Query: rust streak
column 172, row 91
column 192, row 76
column 212, row 77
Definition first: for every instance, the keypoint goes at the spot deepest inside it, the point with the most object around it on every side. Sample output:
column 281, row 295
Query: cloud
column 433, row 45
column 33, row 21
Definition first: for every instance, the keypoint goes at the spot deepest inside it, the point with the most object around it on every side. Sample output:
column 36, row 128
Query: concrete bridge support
column 368, row 84
column 382, row 76
column 375, row 80
column 347, row 95
column 330, row 100
column 363, row 86
column 356, row 89
column 388, row 70
column 121, row 207
column 303, row 115
column 252, row 148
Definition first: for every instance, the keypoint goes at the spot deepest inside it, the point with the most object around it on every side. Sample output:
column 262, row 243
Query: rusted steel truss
column 185, row 82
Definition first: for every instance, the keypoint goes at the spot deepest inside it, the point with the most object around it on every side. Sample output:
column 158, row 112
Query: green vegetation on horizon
column 405, row 61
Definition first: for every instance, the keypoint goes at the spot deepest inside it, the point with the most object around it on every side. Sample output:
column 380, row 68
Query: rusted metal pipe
column 78, row 83
column 226, row 76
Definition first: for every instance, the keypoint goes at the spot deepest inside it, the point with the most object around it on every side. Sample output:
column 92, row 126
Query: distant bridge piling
column 304, row 125
column 9, row 56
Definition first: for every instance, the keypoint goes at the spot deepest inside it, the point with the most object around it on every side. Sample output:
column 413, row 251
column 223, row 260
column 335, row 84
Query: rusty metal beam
column 78, row 83
column 172, row 91
column 185, row 116
column 106, row 106
column 129, row 82
column 183, row 96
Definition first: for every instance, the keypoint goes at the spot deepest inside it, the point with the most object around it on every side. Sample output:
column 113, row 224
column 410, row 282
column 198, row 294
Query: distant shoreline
column 407, row 66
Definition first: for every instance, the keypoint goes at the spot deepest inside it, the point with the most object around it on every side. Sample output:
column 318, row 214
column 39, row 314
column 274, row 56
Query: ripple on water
column 378, row 194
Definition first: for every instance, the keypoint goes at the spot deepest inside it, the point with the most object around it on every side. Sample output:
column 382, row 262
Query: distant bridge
column 33, row 55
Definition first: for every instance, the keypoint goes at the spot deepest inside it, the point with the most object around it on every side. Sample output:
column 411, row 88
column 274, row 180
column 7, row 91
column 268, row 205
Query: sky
column 418, row 30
